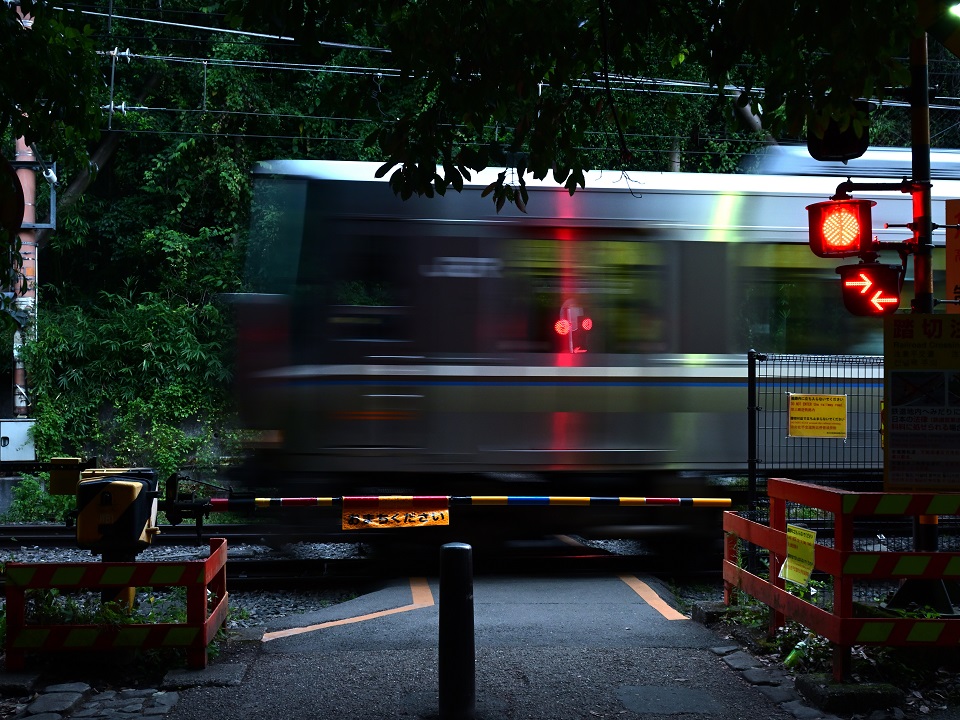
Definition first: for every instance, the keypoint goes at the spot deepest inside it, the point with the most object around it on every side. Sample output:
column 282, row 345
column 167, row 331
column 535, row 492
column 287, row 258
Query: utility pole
column 920, row 145
column 25, row 291
column 925, row 526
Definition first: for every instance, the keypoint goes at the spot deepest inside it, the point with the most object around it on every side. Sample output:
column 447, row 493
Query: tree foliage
column 49, row 61
column 132, row 381
column 521, row 83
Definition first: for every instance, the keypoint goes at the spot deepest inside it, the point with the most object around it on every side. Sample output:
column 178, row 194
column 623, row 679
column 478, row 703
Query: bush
column 32, row 503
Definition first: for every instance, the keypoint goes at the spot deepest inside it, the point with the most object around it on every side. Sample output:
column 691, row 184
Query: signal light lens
column 562, row 327
column 840, row 228
column 586, row 323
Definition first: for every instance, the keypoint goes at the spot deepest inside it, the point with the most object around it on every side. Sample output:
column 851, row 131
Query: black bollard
column 458, row 684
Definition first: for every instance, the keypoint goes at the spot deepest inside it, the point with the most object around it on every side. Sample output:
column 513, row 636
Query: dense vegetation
column 154, row 123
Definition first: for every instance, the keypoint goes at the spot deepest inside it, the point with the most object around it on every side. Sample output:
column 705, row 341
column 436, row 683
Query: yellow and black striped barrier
column 404, row 511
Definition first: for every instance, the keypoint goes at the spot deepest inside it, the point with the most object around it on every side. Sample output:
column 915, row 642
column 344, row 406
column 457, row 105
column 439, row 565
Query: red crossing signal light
column 572, row 326
column 871, row 288
column 841, row 228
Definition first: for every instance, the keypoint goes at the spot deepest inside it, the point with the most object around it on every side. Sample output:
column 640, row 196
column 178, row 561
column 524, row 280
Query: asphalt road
column 546, row 648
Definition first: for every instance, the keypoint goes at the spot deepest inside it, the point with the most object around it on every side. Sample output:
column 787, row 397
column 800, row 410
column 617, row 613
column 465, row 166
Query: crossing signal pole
column 841, row 228
column 925, row 531
column 923, row 300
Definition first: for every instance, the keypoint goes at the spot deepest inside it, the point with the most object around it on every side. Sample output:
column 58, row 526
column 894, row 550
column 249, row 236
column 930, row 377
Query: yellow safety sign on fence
column 817, row 416
column 798, row 567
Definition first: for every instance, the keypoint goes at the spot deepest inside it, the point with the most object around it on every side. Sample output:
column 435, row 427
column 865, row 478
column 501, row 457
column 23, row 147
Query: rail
column 843, row 624
column 199, row 578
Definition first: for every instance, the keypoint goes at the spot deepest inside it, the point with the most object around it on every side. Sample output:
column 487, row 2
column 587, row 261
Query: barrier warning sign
column 798, row 567
column 394, row 511
column 817, row 416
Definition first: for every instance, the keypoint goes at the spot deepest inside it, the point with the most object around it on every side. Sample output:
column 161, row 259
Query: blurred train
column 595, row 344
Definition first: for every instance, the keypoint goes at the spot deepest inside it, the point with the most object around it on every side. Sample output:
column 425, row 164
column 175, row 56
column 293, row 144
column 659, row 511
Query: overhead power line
column 256, row 64
column 267, row 36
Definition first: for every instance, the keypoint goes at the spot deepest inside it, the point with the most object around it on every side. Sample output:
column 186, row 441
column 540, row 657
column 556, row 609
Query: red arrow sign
column 863, row 283
column 878, row 301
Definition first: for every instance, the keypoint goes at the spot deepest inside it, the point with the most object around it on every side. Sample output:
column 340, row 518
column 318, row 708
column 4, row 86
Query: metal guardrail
column 841, row 624
column 198, row 577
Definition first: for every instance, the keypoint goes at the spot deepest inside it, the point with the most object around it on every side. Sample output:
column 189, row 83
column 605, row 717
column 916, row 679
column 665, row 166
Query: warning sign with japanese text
column 798, row 567
column 922, row 403
column 817, row 416
column 394, row 511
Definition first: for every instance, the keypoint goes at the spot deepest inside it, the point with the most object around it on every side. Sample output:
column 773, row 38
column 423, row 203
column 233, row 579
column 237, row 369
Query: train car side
column 426, row 338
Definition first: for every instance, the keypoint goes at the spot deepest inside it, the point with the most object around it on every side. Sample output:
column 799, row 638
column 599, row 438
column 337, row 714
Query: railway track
column 174, row 535
column 263, row 556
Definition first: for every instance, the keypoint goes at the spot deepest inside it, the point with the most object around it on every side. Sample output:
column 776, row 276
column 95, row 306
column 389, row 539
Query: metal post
column 925, row 527
column 752, row 410
column 458, row 685
column 920, row 146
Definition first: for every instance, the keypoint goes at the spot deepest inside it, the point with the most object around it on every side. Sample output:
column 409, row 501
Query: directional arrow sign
column 871, row 288
column 881, row 302
column 864, row 283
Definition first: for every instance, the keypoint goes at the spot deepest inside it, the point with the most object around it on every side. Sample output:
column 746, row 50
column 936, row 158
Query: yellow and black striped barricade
column 198, row 577
column 841, row 624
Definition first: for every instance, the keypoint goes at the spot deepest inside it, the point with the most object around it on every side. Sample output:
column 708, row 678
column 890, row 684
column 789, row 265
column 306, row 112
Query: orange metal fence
column 841, row 625
column 204, row 618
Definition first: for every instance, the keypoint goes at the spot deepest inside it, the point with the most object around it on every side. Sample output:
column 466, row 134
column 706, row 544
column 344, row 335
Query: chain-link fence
column 855, row 458
column 853, row 462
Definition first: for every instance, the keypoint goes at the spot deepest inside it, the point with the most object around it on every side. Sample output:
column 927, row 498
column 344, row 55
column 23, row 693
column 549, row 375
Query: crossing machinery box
column 117, row 514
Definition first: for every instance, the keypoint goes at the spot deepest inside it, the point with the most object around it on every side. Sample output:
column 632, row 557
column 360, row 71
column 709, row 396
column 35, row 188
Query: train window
column 354, row 298
column 277, row 225
column 790, row 302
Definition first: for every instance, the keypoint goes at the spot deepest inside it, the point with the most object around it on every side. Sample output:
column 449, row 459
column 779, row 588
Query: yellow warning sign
column 798, row 567
column 394, row 511
column 817, row 416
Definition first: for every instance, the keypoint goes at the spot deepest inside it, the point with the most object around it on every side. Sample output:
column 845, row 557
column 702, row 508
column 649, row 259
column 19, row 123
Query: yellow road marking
column 420, row 594
column 651, row 598
column 422, row 597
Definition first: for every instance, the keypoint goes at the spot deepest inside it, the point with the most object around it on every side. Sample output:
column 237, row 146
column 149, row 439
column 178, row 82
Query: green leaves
column 47, row 92
column 136, row 382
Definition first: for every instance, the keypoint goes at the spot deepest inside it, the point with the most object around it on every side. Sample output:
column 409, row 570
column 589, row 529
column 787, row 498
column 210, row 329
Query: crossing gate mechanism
column 117, row 512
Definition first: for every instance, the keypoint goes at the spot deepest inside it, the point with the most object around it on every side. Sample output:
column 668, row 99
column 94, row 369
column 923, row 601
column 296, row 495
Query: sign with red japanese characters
column 922, row 403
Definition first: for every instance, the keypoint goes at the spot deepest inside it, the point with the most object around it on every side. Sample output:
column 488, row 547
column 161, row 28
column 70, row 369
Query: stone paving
column 79, row 700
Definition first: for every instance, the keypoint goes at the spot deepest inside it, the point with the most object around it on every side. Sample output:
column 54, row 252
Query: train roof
column 878, row 166
column 612, row 180
column 876, row 162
